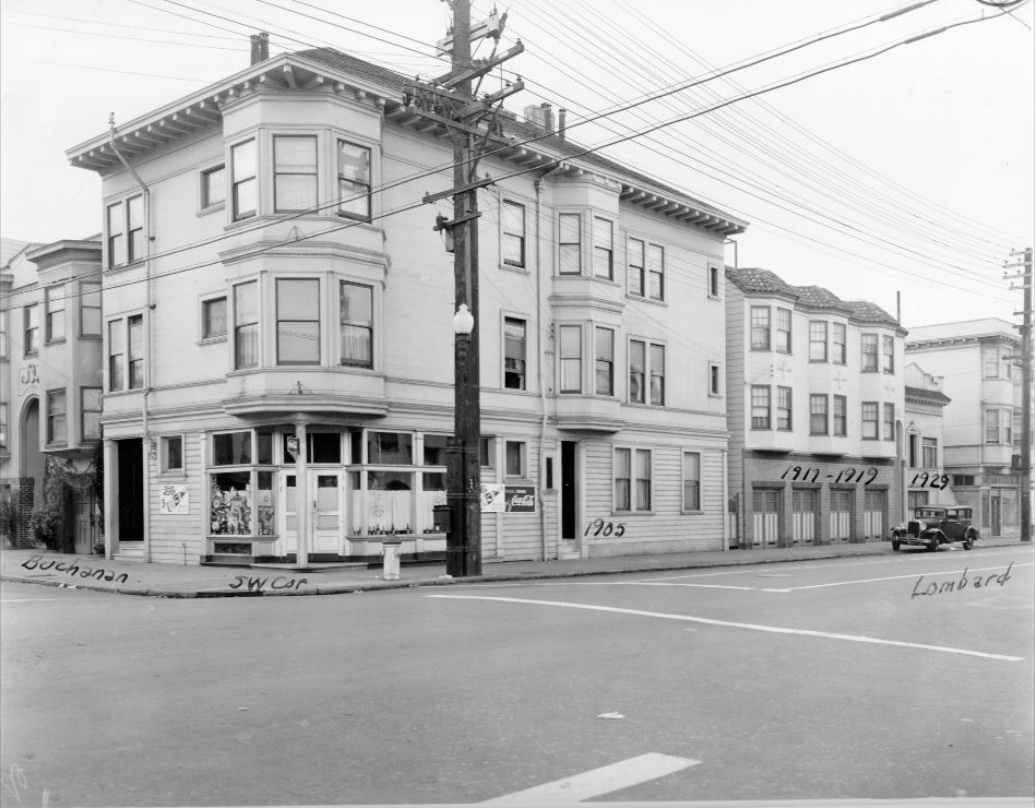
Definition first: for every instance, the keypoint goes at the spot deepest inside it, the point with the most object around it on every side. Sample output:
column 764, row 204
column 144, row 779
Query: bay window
column 870, row 420
column 298, row 321
column 570, row 243
column 571, row 358
column 246, row 325
column 294, row 173
column 90, row 405
column 605, row 361
column 244, row 191
column 54, row 300
column 354, row 181
column 603, row 248
column 356, row 318
column 57, row 416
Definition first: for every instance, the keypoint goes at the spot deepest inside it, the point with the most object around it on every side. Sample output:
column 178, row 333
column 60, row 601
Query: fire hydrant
column 390, row 552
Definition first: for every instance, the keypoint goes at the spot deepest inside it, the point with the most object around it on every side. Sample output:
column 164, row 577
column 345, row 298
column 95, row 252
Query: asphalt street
column 847, row 678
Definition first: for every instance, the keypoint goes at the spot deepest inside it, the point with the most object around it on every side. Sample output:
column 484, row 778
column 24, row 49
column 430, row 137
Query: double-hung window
column 889, row 421
column 636, row 256
column 357, row 325
column 571, row 358
column 244, row 180
column 783, row 330
column 691, row 481
column 294, row 173
column 514, row 352
column 930, row 452
column 818, row 423
column 354, row 181
column 246, row 325
column 125, row 224
column 603, row 248
column 213, row 318
column 869, row 353
column 298, row 321
column 992, row 426
column 646, row 363
column 713, row 281
column 54, row 298
column 31, row 329
column 784, row 409
column 135, row 351
column 90, row 320
column 514, row 458
column 888, row 354
column 126, row 353
column 57, row 416
column 840, row 344
column 512, row 218
column 840, row 416
column 870, row 420
column 818, row 341
column 90, row 406
column 213, row 187
column 760, row 324
column 570, row 243
column 116, row 356
column 761, row 406
column 655, row 272
column 605, row 361
column 632, row 479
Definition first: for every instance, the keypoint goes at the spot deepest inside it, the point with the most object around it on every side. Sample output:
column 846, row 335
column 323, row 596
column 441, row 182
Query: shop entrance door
column 326, row 511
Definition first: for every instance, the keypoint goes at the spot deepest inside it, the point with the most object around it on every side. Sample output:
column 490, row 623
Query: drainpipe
column 148, row 236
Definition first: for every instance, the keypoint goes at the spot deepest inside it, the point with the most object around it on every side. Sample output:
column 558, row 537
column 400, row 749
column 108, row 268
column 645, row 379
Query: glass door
column 326, row 501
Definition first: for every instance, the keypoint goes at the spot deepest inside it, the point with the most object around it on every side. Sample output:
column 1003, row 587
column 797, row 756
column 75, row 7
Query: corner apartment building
column 270, row 276
column 50, row 383
column 815, row 392
column 978, row 361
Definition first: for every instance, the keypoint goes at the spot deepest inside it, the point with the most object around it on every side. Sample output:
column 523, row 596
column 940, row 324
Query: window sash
column 655, row 272
column 31, row 329
column 135, row 351
column 55, row 303
column 840, row 416
column 784, row 408
column 90, row 315
column 294, row 173
column 514, row 458
column 90, row 406
column 513, row 222
column 783, row 330
column 840, row 343
column 246, row 325
column 691, row 481
column 713, row 281
column 636, row 257
column 888, row 355
column 134, row 228
column 818, row 341
column 657, row 375
column 760, row 406
column 213, row 318
column 637, row 371
column 116, row 237
column 514, row 348
column 760, row 324
column 818, row 423
column 869, row 353
column 244, row 185
column 642, row 479
column 991, row 426
column 57, row 416
column 870, row 420
column 571, row 358
column 889, row 421
column 116, row 354
column 570, row 243
column 298, row 321
column 213, row 187
column 605, row 361
column 356, row 306
column 714, row 379
column 354, row 180
column 603, row 248
column 929, row 447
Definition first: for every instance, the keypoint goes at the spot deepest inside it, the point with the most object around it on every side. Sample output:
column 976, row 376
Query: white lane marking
column 673, row 583
column 894, row 578
column 729, row 624
column 598, row 782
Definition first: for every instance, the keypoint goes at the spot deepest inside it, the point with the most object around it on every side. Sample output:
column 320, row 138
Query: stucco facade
column 816, row 397
column 271, row 275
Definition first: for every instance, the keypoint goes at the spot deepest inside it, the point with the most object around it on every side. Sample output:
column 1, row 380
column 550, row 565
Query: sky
column 905, row 179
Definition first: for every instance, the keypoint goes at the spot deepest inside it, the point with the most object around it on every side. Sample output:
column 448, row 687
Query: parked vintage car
column 935, row 525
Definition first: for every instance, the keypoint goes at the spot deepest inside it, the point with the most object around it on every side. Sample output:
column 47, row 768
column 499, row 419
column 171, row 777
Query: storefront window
column 232, row 449
column 389, row 448
column 389, row 500
column 432, row 493
column 231, row 504
column 435, row 450
column 265, row 505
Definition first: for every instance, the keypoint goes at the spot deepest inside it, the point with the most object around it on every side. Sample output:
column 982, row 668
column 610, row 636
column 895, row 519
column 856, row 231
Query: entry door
column 806, row 507
column 997, row 514
column 873, row 514
column 766, row 513
column 326, row 511
column 85, row 529
column 569, row 490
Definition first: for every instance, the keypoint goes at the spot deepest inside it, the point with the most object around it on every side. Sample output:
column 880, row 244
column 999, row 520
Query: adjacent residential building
column 978, row 361
column 926, row 480
column 50, row 386
column 815, row 395
column 273, row 288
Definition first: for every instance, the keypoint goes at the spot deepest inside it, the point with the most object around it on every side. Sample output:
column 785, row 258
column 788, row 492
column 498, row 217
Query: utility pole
column 450, row 100
column 1026, row 381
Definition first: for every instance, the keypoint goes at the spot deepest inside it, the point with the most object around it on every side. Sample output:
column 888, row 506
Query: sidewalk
column 175, row 581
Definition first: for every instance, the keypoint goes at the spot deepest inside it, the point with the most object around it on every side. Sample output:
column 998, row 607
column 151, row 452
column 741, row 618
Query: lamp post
column 463, row 479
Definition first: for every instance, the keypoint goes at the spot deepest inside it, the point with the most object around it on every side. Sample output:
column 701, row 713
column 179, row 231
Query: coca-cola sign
column 520, row 499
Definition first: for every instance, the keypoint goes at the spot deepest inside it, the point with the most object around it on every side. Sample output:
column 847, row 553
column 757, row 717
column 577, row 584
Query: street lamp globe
column 463, row 321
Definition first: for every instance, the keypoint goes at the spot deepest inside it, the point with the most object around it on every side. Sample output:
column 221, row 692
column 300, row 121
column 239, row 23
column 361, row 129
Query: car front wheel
column 895, row 545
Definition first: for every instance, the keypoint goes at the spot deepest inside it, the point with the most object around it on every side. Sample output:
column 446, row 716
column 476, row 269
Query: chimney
column 562, row 115
column 260, row 47
column 541, row 117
